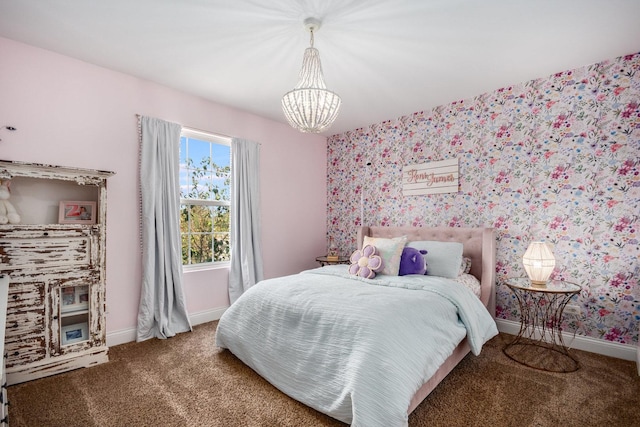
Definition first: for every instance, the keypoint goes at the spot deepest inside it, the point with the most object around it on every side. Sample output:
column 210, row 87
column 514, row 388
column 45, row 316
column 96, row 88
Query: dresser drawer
column 25, row 296
column 31, row 249
column 24, row 351
column 24, row 323
column 24, row 338
column 25, row 309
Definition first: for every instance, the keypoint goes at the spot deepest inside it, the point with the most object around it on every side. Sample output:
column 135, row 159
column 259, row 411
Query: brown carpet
column 187, row 381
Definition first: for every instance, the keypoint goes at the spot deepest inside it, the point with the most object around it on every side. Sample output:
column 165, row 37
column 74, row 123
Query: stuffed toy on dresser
column 8, row 213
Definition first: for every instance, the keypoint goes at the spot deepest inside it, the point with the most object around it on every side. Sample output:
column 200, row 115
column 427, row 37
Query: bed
column 365, row 351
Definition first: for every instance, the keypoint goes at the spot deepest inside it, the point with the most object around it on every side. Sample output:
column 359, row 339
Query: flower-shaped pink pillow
column 365, row 262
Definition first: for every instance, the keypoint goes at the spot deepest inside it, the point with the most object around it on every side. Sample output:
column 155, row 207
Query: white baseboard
column 206, row 316
column 593, row 345
column 120, row 337
column 129, row 335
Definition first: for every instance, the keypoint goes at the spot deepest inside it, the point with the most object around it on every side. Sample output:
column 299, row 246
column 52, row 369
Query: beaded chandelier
column 310, row 107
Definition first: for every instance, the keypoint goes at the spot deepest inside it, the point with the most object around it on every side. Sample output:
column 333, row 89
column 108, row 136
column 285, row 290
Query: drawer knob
column 16, row 353
column 15, row 297
column 46, row 233
column 15, row 325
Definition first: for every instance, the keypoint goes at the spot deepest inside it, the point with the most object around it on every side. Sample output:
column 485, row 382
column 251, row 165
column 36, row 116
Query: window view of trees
column 205, row 178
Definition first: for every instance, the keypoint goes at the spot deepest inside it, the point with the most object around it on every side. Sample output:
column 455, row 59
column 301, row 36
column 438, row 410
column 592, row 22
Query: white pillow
column 390, row 250
column 443, row 258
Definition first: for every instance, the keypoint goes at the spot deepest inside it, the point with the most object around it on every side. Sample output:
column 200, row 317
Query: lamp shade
column 539, row 262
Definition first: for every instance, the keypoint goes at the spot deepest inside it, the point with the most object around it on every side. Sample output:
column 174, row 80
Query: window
column 205, row 178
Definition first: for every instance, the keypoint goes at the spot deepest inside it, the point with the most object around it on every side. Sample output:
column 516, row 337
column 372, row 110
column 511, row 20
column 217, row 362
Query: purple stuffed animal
column 412, row 262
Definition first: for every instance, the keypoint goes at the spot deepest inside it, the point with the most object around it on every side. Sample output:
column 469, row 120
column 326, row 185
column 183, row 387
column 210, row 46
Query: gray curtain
column 162, row 311
column 246, row 246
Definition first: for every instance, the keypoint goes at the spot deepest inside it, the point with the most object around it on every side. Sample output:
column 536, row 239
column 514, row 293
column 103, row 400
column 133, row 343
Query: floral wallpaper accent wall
column 554, row 159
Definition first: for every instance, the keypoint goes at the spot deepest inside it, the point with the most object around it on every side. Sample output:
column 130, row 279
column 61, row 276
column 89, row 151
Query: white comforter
column 355, row 349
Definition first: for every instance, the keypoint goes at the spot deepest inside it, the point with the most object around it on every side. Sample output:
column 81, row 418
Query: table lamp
column 538, row 261
column 332, row 254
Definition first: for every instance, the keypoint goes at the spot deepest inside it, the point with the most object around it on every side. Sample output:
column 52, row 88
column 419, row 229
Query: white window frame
column 215, row 139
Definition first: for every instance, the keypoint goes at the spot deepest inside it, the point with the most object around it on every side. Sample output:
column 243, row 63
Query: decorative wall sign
column 430, row 178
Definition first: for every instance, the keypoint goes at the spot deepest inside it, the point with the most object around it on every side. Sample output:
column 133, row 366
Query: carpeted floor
column 187, row 381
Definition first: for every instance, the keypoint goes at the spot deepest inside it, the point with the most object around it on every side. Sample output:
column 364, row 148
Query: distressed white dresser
column 56, row 305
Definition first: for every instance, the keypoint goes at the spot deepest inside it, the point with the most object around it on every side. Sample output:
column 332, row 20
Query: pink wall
column 71, row 113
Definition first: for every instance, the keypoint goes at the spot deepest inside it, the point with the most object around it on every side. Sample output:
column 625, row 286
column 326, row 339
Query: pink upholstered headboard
column 479, row 245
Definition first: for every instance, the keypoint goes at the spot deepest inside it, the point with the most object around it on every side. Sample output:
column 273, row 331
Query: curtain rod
column 207, row 132
column 199, row 130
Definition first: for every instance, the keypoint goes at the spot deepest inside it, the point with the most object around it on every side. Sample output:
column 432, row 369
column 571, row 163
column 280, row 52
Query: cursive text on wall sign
column 430, row 178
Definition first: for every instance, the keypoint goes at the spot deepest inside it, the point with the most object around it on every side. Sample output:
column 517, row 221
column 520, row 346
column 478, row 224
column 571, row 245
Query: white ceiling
column 385, row 58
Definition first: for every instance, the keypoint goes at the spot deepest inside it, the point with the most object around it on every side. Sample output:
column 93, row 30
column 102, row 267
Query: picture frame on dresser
column 77, row 332
column 77, row 212
column 74, row 298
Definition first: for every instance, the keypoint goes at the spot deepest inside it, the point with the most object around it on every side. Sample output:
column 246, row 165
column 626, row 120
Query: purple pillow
column 412, row 261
